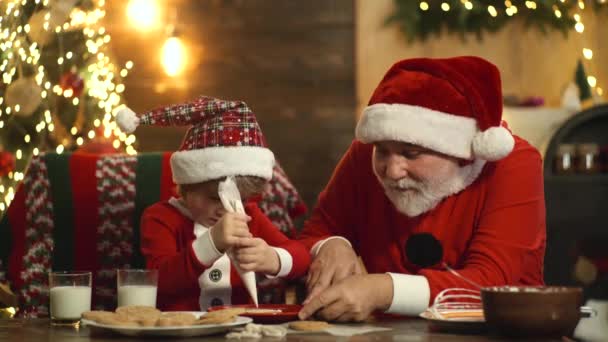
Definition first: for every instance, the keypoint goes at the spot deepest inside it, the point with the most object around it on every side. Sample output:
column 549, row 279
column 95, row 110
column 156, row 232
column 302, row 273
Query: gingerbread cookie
column 109, row 318
column 176, row 319
column 308, row 325
column 220, row 316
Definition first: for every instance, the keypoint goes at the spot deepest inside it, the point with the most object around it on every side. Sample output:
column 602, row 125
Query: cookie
column 146, row 316
column 109, row 318
column 138, row 311
column 214, row 320
column 224, row 313
column 308, row 325
column 176, row 319
column 146, row 321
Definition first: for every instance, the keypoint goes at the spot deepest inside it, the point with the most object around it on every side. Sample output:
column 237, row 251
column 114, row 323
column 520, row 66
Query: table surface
column 402, row 330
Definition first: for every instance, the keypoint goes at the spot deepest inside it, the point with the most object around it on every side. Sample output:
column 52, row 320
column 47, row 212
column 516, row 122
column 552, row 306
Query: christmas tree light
column 59, row 83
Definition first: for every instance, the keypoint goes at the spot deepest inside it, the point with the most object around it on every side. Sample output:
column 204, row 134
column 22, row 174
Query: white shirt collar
column 199, row 229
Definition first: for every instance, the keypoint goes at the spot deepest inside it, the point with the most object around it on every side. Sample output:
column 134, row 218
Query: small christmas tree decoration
column 71, row 80
column 43, row 23
column 581, row 81
column 7, row 163
column 24, row 96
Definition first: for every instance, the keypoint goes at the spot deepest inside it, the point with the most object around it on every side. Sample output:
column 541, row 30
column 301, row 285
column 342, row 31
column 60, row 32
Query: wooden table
column 35, row 330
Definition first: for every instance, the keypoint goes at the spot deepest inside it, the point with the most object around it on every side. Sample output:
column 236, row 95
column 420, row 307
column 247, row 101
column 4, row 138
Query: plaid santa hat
column 224, row 140
column 452, row 106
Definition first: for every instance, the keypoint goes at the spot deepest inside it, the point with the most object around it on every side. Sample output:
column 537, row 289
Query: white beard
column 423, row 196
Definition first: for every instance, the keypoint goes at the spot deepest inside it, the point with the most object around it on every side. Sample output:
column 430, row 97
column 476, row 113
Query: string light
column 144, row 13
column 512, row 10
column 492, row 11
column 18, row 50
column 587, row 52
column 173, row 56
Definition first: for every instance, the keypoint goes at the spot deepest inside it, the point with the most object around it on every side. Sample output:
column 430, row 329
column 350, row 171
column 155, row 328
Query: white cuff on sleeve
column 317, row 246
column 411, row 294
column 286, row 263
column 205, row 249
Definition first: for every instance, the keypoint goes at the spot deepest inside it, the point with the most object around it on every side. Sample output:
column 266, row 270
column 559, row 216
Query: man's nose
column 396, row 167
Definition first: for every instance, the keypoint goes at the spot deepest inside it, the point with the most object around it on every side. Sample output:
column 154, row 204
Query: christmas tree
column 580, row 77
column 59, row 88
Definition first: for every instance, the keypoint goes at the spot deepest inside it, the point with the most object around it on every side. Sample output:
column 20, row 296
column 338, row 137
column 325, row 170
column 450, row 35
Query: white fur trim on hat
column 196, row 166
column 493, row 144
column 442, row 132
column 127, row 120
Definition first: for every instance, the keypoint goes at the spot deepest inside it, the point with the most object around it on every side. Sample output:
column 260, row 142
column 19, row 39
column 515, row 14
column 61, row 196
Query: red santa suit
column 192, row 274
column 491, row 229
column 224, row 140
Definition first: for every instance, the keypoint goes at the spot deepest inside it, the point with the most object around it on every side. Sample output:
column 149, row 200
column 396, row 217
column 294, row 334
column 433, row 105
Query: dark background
column 291, row 61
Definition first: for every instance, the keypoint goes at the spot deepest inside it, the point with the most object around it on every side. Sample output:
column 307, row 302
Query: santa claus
column 434, row 181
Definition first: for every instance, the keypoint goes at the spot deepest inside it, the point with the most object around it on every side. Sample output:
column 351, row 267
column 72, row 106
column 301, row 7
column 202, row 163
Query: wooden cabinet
column 577, row 207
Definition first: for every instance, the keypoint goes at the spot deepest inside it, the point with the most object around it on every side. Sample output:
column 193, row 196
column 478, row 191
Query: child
column 186, row 238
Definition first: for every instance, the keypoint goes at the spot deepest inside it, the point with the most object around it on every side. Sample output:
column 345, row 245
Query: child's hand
column 230, row 230
column 254, row 254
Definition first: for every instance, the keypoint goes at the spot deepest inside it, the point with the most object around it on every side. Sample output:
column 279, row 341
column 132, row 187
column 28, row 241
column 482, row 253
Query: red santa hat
column 224, row 140
column 452, row 106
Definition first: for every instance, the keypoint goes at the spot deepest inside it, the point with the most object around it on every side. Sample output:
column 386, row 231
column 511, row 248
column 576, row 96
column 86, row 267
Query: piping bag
column 231, row 200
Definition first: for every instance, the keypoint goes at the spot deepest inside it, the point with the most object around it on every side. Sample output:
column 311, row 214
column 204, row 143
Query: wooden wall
column 532, row 64
column 291, row 61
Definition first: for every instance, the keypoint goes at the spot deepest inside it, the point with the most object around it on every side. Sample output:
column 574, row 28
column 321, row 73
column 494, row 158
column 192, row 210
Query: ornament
column 26, row 93
column 54, row 16
column 7, row 163
column 37, row 32
column 71, row 80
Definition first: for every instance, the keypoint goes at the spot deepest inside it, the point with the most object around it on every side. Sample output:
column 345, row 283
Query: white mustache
column 404, row 183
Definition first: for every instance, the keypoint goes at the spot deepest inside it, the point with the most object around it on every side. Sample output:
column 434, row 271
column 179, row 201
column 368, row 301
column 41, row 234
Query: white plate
column 179, row 331
column 465, row 325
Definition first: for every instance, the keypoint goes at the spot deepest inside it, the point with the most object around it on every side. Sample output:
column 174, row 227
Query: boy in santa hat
column 187, row 238
column 434, row 182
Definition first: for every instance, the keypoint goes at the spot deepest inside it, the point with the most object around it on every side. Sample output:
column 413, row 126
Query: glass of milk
column 70, row 295
column 136, row 287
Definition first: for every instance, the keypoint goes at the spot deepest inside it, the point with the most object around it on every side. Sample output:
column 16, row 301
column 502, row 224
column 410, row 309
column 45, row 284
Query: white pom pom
column 127, row 120
column 493, row 144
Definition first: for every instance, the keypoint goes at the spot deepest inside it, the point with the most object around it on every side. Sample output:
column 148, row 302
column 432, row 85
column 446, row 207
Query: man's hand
column 335, row 261
column 352, row 299
column 254, row 254
column 230, row 230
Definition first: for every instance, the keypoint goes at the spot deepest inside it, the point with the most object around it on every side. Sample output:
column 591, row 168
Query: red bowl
column 288, row 313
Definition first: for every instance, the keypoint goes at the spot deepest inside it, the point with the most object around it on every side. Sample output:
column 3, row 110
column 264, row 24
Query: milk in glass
column 69, row 302
column 137, row 295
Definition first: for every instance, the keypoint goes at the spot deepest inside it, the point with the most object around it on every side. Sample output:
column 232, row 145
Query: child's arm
column 271, row 252
column 178, row 266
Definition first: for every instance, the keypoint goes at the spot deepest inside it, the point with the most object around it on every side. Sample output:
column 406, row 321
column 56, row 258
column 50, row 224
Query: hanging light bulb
column 143, row 13
column 173, row 55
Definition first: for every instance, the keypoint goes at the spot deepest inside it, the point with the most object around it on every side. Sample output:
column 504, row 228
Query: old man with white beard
column 434, row 178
